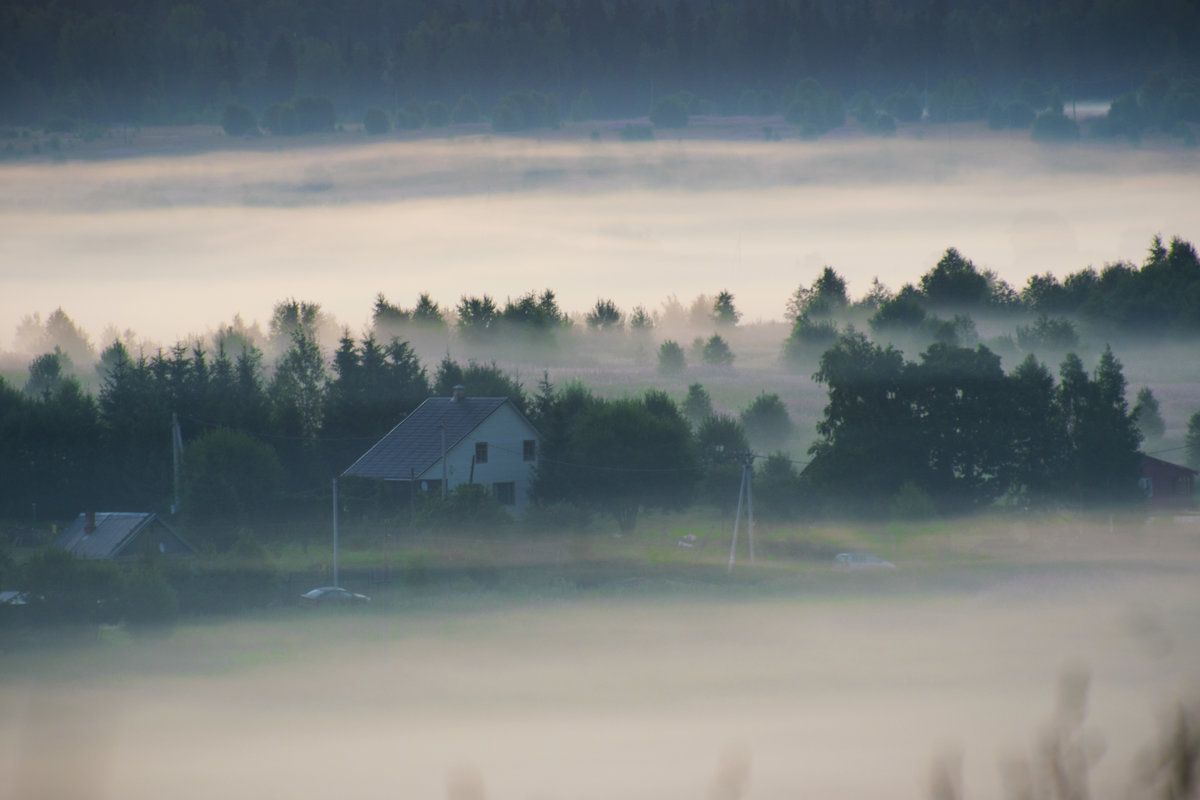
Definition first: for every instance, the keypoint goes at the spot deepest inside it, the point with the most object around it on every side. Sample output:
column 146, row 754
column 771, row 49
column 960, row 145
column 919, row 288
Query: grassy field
column 605, row 666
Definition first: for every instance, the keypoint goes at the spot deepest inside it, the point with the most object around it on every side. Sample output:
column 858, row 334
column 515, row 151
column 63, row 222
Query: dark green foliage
column 237, row 120
column 640, row 320
column 1104, row 464
column 955, row 283
column 436, row 114
column 1048, row 334
column 716, row 352
column 618, row 456
column 767, row 422
column 467, row 506
column 480, row 380
column 466, row 111
column 280, row 79
column 722, row 446
column 669, row 112
column 605, row 316
column 671, row 360
column 584, row 107
column 631, row 132
column 966, row 435
column 957, row 100
column 1191, row 442
column 1147, row 416
column 72, row 591
column 314, row 115
column 697, row 406
column 826, row 296
column 523, row 111
column 411, row 116
column 149, row 601
column 47, row 373
column 241, row 579
column 780, row 492
column 905, row 312
column 1054, row 126
column 723, row 311
column 229, row 478
column 533, row 313
column 1020, row 115
column 477, row 316
column 904, row 106
column 808, row 340
column 997, row 116
column 375, row 121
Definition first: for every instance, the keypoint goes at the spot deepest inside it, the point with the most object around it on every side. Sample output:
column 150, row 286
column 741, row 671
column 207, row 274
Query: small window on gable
column 529, row 451
column 506, row 493
column 481, row 452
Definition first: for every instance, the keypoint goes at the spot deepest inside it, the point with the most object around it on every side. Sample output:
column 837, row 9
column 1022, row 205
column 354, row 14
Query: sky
column 174, row 246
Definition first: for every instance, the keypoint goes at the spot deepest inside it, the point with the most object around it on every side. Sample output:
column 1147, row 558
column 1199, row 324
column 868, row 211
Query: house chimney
column 459, row 393
column 89, row 522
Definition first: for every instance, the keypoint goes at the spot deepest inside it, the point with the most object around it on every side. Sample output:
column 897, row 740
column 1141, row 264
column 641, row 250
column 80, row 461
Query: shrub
column 669, row 112
column 557, row 517
column 1054, row 126
column 716, row 352
column 411, row 117
column 314, row 114
column 149, row 600
column 237, row 120
column 519, row 111
column 466, row 111
column 637, row 133
column 436, row 114
column 375, row 121
column 671, row 360
column 466, row 505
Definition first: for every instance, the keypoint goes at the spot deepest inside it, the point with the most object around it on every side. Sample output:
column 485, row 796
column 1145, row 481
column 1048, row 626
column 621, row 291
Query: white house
column 486, row 440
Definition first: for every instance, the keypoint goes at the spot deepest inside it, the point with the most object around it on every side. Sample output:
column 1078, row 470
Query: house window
column 529, row 451
column 506, row 493
column 481, row 452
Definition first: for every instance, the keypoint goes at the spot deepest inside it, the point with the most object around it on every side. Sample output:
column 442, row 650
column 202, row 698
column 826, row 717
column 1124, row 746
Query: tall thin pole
column 748, row 472
column 335, row 534
column 737, row 520
column 412, row 498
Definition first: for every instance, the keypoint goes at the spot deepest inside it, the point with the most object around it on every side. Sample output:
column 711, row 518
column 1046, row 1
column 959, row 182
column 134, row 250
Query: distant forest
column 268, row 419
column 148, row 62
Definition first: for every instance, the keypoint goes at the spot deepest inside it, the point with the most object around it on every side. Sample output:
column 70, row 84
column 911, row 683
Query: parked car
column 851, row 561
column 333, row 596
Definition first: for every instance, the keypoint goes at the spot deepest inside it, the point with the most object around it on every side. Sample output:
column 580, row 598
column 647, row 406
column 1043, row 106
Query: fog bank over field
column 171, row 246
column 837, row 686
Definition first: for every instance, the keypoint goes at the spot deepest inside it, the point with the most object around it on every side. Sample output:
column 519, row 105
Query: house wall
column 1168, row 486
column 505, row 432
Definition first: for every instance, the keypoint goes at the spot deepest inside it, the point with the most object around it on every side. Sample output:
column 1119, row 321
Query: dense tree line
column 257, row 428
column 1161, row 298
column 954, row 427
column 154, row 62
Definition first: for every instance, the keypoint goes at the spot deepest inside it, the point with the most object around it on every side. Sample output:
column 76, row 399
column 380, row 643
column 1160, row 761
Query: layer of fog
column 170, row 247
column 849, row 695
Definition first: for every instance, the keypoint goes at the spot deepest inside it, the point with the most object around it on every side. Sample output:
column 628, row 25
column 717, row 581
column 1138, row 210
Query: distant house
column 122, row 536
column 486, row 441
column 1167, row 486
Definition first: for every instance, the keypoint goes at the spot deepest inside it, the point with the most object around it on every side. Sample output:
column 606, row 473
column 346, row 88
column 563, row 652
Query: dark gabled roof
column 1166, row 465
column 415, row 444
column 113, row 532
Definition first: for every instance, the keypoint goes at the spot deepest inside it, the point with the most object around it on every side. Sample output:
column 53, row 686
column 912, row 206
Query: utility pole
column 746, row 495
column 335, row 534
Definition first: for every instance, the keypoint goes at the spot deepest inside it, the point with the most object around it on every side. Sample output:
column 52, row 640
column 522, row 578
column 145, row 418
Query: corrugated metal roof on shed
column 415, row 445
